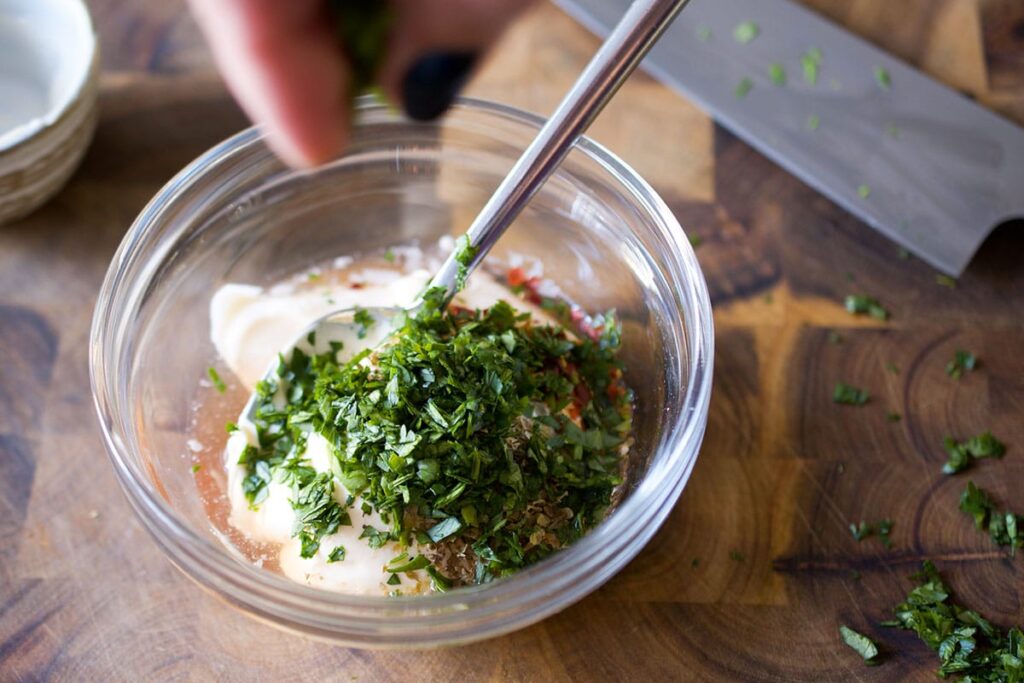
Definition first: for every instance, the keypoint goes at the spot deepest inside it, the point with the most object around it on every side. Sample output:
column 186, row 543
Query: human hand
column 283, row 62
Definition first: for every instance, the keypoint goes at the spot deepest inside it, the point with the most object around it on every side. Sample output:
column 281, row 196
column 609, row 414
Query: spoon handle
column 615, row 60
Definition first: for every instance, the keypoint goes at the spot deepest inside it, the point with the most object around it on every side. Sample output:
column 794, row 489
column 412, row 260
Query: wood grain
column 85, row 595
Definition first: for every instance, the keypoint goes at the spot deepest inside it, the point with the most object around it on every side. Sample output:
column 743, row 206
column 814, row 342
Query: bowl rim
column 29, row 130
column 532, row 593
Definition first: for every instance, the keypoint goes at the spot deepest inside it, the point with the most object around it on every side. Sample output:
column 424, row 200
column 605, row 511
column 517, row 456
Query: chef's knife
column 912, row 158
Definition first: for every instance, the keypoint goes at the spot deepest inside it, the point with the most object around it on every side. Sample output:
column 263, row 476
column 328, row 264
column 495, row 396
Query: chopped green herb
column 336, row 555
column 394, row 580
column 313, row 276
column 743, row 87
column 365, row 321
column 863, row 191
column 834, row 337
column 893, row 131
column 444, row 529
column 695, row 240
column 860, row 643
column 196, row 467
column 963, row 361
column 745, row 32
column 884, row 528
column 389, row 255
column 703, row 33
column 777, row 73
column 695, row 562
column 903, row 254
column 945, row 281
column 813, row 121
column 737, row 556
column 403, row 563
column 861, row 531
column 882, row 78
column 865, row 530
column 960, row 454
column 810, row 61
column 317, row 513
column 362, row 28
column 849, row 395
column 475, row 431
column 966, row 643
column 218, row 383
column 893, row 416
column 860, row 305
column 1005, row 529
column 464, row 255
column 230, row 427
column 892, row 367
column 438, row 581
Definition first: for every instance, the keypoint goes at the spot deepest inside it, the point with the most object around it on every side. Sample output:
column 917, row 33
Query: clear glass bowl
column 237, row 215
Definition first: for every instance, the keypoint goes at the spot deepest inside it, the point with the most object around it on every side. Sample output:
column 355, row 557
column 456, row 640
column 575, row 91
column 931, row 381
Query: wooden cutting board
column 86, row 595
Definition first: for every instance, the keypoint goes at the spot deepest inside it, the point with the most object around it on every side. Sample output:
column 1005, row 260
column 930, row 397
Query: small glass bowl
column 237, row 214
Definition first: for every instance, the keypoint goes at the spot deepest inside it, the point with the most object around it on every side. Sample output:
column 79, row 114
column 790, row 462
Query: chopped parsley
column 737, row 556
column 703, row 33
column 810, row 61
column 892, row 368
column 861, row 305
column 865, row 530
column 365, row 320
column 777, row 73
column 695, row 240
column 218, row 383
column 362, row 27
column 849, row 395
column 834, row 337
column 813, row 121
column 196, row 467
column 863, row 645
column 884, row 528
column 464, row 255
column 963, row 361
column 960, row 454
column 882, row 77
column 966, row 643
column 745, row 32
column 743, row 87
column 336, row 555
column 1005, row 529
column 478, row 431
column 893, row 416
column 945, row 281
column 861, row 531
column 389, row 255
column 863, row 191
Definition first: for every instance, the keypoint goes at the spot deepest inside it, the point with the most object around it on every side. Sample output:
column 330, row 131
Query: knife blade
column 912, row 158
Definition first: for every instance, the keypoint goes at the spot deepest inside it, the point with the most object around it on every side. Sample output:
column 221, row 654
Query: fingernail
column 432, row 83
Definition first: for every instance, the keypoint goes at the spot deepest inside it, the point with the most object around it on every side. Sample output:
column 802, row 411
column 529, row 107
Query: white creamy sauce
column 249, row 327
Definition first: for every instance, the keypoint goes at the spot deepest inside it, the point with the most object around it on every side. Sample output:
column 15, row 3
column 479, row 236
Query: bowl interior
column 46, row 50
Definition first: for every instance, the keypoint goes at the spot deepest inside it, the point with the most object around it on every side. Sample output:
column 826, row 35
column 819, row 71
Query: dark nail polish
column 432, row 83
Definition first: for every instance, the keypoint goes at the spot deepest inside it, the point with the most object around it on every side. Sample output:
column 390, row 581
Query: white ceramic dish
column 49, row 81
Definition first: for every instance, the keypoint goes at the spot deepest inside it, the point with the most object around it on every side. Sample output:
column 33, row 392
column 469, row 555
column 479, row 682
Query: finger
column 282, row 62
column 434, row 47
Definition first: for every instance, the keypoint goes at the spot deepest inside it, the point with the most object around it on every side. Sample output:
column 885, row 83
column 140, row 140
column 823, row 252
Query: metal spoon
column 615, row 60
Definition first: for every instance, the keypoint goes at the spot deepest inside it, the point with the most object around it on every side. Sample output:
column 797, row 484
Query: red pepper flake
column 516, row 277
